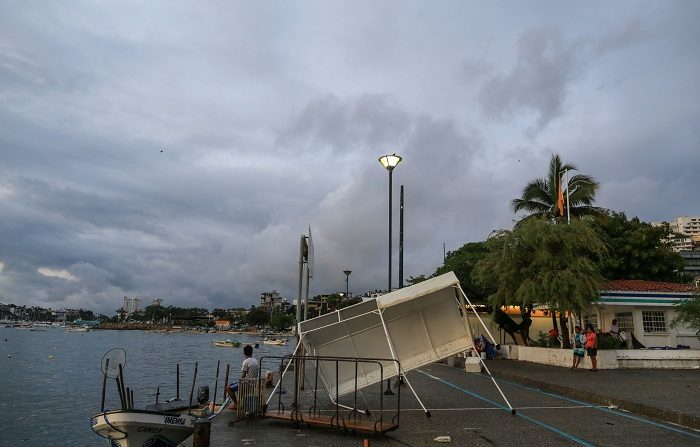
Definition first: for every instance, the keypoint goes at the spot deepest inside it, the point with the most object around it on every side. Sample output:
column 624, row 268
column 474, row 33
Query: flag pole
column 568, row 212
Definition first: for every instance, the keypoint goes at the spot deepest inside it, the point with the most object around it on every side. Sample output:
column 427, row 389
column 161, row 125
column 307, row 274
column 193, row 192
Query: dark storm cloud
column 537, row 83
column 179, row 151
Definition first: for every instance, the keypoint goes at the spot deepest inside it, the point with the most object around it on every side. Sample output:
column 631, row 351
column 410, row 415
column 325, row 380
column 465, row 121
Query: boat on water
column 161, row 424
column 275, row 341
column 143, row 428
column 227, row 343
column 78, row 329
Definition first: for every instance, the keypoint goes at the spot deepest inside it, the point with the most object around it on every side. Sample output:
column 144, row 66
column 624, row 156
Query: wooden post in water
column 104, row 385
column 202, row 433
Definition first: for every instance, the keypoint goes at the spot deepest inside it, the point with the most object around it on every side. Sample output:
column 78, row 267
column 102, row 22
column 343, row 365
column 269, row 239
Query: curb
column 661, row 414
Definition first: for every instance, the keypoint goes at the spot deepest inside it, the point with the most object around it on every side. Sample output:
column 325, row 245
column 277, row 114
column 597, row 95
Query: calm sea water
column 51, row 381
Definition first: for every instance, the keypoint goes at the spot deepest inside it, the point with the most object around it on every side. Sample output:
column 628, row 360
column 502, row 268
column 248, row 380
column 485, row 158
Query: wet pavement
column 554, row 407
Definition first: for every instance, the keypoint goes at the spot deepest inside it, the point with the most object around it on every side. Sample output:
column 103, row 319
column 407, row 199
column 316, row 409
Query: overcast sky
column 178, row 150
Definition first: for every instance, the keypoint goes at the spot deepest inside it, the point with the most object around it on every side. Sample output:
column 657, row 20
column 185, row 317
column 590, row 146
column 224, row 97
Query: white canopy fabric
column 416, row 325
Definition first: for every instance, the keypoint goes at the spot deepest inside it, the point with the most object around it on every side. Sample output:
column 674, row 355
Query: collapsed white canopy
column 416, row 325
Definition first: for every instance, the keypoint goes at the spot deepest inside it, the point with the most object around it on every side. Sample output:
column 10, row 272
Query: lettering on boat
column 174, row 420
column 149, row 429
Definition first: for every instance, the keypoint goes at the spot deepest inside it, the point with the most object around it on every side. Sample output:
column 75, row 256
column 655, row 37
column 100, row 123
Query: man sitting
column 249, row 370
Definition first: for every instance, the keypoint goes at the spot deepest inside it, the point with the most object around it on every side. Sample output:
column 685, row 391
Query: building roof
column 638, row 285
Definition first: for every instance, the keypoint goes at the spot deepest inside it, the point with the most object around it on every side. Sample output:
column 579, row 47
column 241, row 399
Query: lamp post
column 347, row 276
column 389, row 162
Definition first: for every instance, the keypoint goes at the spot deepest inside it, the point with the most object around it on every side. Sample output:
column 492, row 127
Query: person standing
column 579, row 347
column 592, row 346
column 249, row 369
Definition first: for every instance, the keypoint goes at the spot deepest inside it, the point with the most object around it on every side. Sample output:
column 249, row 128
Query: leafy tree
column 544, row 263
column 257, row 316
column 544, row 197
column 334, row 302
column 281, row 321
column 85, row 314
column 637, row 250
column 462, row 262
column 689, row 313
column 415, row 280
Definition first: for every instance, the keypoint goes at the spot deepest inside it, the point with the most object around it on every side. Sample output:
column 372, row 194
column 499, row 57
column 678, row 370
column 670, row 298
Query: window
column 625, row 322
column 654, row 320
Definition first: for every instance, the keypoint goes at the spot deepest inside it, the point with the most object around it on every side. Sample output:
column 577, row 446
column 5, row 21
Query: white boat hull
column 140, row 428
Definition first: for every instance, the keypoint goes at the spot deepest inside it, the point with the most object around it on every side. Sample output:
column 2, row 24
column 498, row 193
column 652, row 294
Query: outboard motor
column 203, row 394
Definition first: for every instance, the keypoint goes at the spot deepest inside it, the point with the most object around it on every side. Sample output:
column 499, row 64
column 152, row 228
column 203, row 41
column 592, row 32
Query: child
column 579, row 350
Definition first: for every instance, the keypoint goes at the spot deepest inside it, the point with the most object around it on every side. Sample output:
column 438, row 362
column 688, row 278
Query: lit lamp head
column 390, row 161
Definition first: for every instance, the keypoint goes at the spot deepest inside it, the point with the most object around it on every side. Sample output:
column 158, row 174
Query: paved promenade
column 555, row 407
column 670, row 395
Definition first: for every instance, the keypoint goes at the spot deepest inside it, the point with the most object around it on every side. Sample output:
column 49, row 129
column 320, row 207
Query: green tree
column 689, row 313
column 258, row 316
column 637, row 250
column 541, row 197
column 415, row 280
column 462, row 262
column 281, row 321
column 539, row 262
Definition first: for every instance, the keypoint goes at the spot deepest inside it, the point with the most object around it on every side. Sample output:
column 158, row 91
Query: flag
column 560, row 199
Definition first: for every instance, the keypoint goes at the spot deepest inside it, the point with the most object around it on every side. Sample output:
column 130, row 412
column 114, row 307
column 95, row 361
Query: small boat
column 142, row 427
column 227, row 343
column 275, row 341
column 78, row 329
column 162, row 424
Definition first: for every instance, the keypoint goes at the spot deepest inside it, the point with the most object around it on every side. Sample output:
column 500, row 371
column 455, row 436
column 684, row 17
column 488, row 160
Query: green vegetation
column 545, row 197
column 462, row 262
column 637, row 250
column 689, row 314
column 538, row 262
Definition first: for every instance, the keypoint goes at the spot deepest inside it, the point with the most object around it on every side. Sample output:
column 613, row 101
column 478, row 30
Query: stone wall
column 609, row 358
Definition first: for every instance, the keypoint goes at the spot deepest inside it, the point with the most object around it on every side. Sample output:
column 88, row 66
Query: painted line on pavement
column 606, row 409
column 555, row 430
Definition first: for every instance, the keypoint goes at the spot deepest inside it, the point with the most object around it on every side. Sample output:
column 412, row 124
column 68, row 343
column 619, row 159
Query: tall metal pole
column 301, row 275
column 401, row 241
column 390, row 193
column 568, row 212
column 347, row 277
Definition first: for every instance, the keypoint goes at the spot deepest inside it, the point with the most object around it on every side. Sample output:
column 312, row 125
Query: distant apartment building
column 692, row 263
column 686, row 225
column 269, row 300
column 685, row 233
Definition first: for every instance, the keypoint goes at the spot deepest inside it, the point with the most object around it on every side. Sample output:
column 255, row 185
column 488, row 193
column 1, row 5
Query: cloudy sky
column 178, row 150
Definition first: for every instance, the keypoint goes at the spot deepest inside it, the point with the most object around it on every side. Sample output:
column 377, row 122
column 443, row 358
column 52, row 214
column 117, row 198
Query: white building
column 645, row 309
column 685, row 233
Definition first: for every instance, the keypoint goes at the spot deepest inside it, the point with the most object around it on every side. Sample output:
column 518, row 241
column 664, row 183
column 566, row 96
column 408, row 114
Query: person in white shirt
column 614, row 330
column 249, row 369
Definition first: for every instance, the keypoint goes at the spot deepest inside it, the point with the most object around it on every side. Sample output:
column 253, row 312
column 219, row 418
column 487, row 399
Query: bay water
column 51, row 381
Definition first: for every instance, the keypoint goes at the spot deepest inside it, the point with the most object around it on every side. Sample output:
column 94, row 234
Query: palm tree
column 545, row 197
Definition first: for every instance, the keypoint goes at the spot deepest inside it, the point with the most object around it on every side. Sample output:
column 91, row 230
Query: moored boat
column 227, row 343
column 130, row 428
column 275, row 341
column 165, row 424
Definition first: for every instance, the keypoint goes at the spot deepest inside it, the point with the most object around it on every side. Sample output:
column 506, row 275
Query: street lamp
column 347, row 275
column 389, row 162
